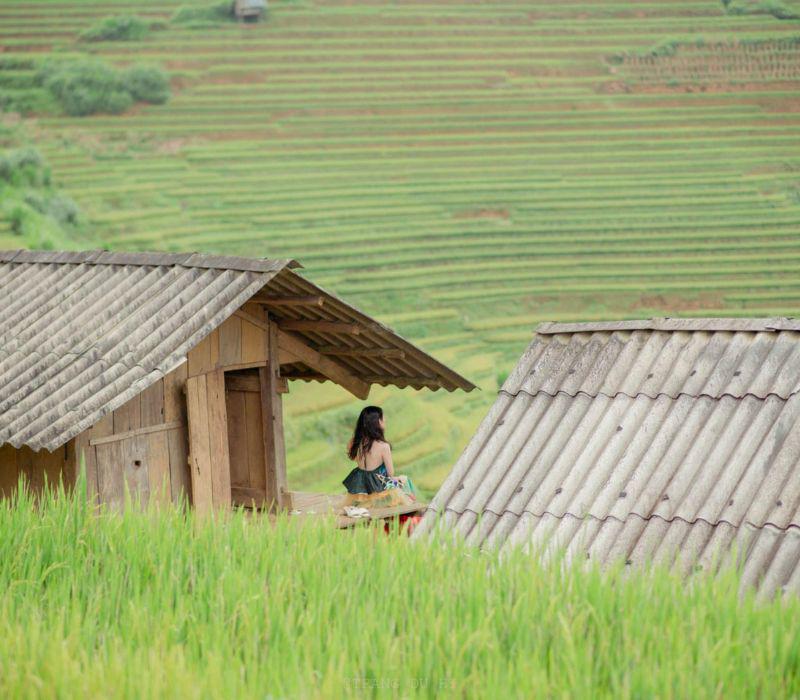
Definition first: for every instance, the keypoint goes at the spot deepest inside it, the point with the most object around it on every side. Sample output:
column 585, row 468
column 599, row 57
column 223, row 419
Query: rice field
column 465, row 168
column 161, row 604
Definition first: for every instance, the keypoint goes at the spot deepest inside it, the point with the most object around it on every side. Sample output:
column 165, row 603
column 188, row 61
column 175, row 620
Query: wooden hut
column 166, row 371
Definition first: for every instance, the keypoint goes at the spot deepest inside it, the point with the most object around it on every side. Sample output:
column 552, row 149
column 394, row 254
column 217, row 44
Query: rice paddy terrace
column 462, row 170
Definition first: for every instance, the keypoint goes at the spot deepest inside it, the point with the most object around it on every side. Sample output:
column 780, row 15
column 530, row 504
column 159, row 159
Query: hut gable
column 82, row 333
column 667, row 439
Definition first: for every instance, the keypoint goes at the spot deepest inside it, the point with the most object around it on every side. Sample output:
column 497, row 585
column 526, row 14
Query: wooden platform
column 305, row 504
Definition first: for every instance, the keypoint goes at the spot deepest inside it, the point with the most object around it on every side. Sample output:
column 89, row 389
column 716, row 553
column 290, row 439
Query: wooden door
column 209, row 458
column 246, row 438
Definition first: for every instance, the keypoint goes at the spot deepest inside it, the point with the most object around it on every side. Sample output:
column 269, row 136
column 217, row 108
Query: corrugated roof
column 658, row 362
column 83, row 332
column 622, row 442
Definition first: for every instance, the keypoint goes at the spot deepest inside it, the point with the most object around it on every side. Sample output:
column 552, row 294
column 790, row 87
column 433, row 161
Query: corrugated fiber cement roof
column 668, row 439
column 81, row 333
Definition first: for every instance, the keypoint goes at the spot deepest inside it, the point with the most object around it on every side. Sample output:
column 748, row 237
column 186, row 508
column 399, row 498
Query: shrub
column 27, row 101
column 215, row 12
column 118, row 28
column 147, row 84
column 86, row 86
column 24, row 166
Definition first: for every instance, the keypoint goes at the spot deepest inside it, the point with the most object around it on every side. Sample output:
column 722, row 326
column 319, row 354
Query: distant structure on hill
column 667, row 440
column 249, row 10
column 166, row 371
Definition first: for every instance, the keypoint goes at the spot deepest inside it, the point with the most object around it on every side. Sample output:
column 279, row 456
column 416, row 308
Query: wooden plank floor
column 305, row 503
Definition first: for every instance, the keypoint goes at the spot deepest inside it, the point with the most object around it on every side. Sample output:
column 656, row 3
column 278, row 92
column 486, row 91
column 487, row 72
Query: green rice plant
column 116, row 28
column 162, row 603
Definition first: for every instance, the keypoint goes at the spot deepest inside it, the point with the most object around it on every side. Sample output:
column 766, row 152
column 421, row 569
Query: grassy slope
column 161, row 606
column 459, row 169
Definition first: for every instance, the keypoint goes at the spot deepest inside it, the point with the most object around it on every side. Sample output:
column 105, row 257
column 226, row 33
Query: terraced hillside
column 462, row 170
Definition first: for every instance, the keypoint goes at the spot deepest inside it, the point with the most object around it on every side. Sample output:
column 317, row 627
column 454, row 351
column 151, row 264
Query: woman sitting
column 372, row 482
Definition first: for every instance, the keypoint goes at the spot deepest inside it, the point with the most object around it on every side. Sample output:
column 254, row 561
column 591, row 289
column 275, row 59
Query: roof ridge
column 150, row 258
column 668, row 323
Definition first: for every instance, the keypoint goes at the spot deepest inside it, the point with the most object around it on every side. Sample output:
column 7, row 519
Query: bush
column 765, row 7
column 147, row 84
column 59, row 207
column 119, row 28
column 24, row 166
column 216, row 12
column 86, row 86
column 27, row 101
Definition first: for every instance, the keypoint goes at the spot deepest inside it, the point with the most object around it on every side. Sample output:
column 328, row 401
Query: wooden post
column 272, row 417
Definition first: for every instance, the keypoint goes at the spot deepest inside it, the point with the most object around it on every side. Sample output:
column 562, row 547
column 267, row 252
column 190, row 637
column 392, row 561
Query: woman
column 373, row 481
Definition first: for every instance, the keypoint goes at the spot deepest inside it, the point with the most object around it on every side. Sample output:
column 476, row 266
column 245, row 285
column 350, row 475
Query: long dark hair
column 368, row 430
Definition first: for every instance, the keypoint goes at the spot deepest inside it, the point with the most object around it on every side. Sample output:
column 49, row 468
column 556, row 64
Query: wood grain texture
column 230, row 342
column 110, row 475
column 218, row 440
column 129, row 415
column 153, row 404
column 174, row 399
column 9, row 472
column 158, row 472
column 199, row 450
column 254, row 344
column 199, row 358
column 237, row 436
column 272, row 421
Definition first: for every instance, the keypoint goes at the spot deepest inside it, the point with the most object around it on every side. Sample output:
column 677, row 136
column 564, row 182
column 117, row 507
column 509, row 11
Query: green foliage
column 209, row 14
column 24, row 166
column 117, row 28
column 147, row 84
column 86, row 86
column 89, row 86
column 235, row 606
column 776, row 8
column 39, row 215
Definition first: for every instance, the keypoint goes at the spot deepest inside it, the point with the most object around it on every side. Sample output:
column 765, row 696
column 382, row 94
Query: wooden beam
column 324, row 365
column 320, row 326
column 170, row 425
column 272, row 417
column 243, row 496
column 389, row 353
column 396, row 379
column 289, row 325
column 251, row 383
column 315, row 376
column 309, row 300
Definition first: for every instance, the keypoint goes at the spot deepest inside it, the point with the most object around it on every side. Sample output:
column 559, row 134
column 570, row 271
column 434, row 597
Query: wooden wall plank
column 230, row 341
column 110, row 474
column 177, row 440
column 272, row 421
column 213, row 349
column 199, row 449
column 254, row 343
column 237, row 437
column 134, row 455
column 255, row 441
column 9, row 472
column 152, row 401
column 218, row 440
column 180, row 477
column 199, row 358
column 129, row 415
column 53, row 464
column 158, row 474
column 174, row 398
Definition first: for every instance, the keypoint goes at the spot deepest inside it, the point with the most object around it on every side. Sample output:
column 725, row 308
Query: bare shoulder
column 384, row 446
